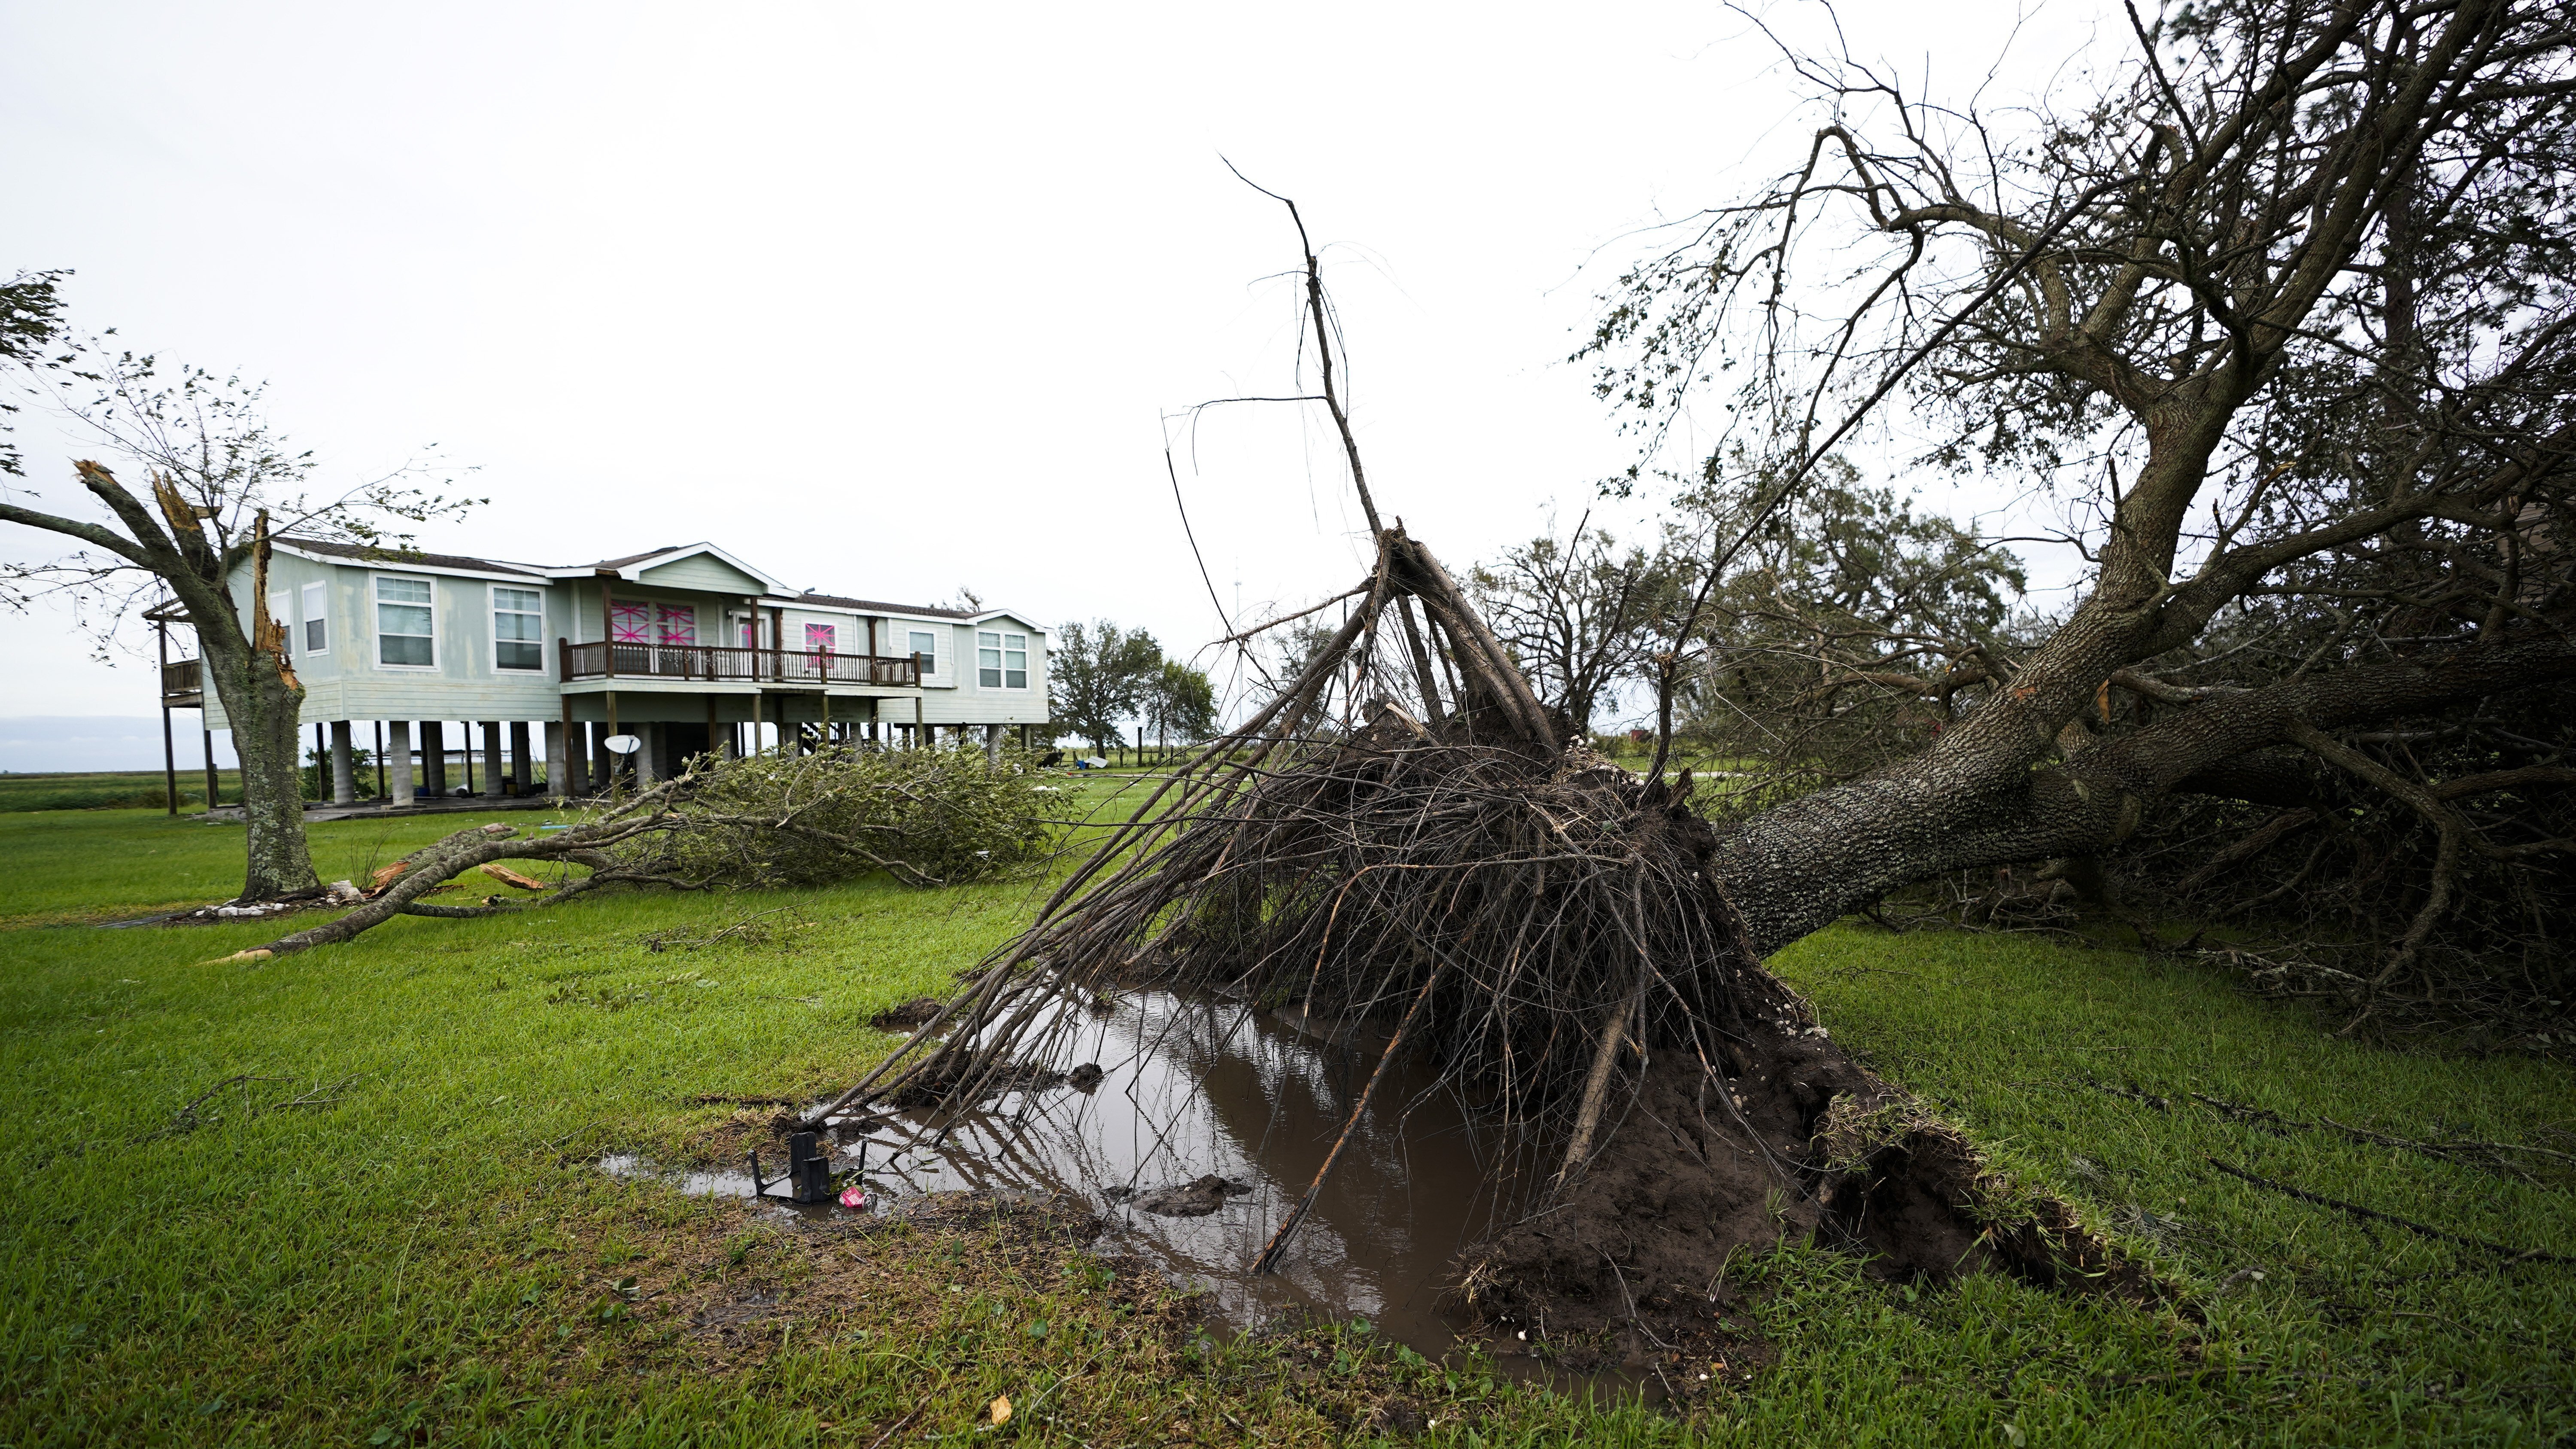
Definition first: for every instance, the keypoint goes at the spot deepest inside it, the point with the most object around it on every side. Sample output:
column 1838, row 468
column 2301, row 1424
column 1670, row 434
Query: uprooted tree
column 2177, row 283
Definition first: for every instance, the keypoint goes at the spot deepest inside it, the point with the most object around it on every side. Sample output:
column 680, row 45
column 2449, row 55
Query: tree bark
column 1797, row 867
column 249, row 670
column 265, row 702
column 264, row 707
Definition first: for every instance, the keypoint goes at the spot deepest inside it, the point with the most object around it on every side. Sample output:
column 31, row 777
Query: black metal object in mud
column 809, row 1170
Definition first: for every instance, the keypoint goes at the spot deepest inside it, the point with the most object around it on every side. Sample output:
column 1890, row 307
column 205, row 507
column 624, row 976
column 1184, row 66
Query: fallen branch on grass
column 434, row 865
column 315, row 1098
column 924, row 817
column 2518, row 1255
column 185, row 1120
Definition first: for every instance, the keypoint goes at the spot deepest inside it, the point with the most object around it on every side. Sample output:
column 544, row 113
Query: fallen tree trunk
column 925, row 818
column 434, row 865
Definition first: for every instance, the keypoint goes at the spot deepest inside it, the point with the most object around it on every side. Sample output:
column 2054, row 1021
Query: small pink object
column 854, row 1197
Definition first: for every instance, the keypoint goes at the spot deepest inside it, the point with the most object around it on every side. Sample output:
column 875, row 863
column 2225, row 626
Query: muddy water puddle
column 1218, row 1114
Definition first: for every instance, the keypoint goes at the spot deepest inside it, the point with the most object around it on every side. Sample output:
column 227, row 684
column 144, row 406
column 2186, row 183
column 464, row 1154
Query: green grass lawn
column 428, row 1258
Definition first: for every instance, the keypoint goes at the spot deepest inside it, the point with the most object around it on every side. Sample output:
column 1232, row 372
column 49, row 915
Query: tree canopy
column 1100, row 676
column 2277, row 308
column 218, row 486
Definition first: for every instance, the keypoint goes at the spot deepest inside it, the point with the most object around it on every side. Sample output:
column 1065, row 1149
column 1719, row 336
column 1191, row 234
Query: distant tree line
column 1101, row 679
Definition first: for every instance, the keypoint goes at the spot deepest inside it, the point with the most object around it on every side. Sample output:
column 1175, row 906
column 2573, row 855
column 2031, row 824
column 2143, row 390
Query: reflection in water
column 1191, row 1088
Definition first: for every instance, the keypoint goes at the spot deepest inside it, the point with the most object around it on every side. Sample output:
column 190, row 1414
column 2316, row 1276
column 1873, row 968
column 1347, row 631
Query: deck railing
column 183, row 679
column 716, row 663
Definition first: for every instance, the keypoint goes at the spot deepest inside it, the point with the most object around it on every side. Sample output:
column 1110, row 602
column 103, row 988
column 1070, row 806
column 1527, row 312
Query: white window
column 317, row 633
column 1001, row 660
column 518, row 629
column 281, row 612
column 925, row 649
column 405, row 635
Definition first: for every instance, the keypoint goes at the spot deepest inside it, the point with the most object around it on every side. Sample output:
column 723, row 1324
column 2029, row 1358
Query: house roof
column 877, row 606
column 634, row 564
column 375, row 553
column 628, row 567
column 636, row 558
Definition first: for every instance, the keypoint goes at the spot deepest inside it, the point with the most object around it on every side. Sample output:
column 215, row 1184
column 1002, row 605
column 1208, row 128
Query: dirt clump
column 1787, row 1139
column 1189, row 1199
column 910, row 1015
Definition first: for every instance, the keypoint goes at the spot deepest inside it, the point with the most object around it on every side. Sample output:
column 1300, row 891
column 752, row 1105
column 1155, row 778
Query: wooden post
column 523, row 770
column 380, row 760
column 433, row 757
column 755, row 698
column 917, row 726
column 321, row 754
column 210, row 765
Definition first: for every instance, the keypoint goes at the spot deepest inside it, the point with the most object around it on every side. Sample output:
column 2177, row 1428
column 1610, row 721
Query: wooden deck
column 183, row 683
column 717, row 664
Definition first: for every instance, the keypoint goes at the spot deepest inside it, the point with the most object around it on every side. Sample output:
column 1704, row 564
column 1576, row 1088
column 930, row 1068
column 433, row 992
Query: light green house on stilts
column 688, row 649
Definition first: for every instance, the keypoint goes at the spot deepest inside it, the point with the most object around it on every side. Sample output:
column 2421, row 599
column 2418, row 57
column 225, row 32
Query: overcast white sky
column 891, row 299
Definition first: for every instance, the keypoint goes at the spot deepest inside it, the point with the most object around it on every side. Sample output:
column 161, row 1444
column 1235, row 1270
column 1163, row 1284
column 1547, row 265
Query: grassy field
column 424, row 1255
column 112, row 789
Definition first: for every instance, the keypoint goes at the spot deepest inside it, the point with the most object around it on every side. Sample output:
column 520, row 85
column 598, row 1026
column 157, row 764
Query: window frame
column 1001, row 650
column 927, row 658
column 376, row 621
column 313, row 606
column 492, row 614
column 608, row 620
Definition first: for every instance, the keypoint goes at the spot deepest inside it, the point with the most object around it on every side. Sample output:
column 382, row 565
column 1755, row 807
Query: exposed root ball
column 1540, row 925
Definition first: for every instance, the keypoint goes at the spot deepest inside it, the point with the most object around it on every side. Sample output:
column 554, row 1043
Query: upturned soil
column 1789, row 1138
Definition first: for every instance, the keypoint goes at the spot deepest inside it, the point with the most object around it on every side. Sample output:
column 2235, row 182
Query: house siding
column 703, row 574
column 345, row 681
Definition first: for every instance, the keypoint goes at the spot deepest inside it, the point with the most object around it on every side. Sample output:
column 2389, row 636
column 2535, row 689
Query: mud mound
column 1788, row 1139
column 1189, row 1199
column 911, row 1015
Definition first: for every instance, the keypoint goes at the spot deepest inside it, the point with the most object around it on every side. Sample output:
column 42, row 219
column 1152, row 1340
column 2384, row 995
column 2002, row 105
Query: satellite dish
column 623, row 744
